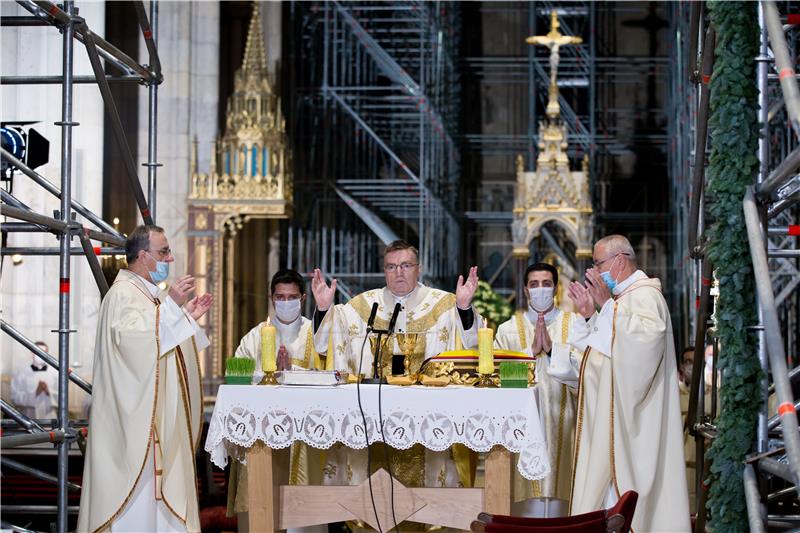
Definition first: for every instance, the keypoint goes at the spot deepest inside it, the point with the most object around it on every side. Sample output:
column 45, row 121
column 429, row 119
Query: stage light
column 24, row 143
column 16, row 259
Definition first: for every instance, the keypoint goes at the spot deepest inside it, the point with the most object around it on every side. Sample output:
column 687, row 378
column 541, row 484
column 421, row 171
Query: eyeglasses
column 598, row 263
column 164, row 252
column 405, row 267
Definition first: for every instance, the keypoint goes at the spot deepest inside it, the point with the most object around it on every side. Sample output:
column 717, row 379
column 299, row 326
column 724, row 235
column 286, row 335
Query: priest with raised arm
column 429, row 321
column 147, row 408
column 542, row 330
column 629, row 431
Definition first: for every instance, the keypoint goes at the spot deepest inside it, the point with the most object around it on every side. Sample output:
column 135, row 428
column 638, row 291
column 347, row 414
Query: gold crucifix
column 553, row 40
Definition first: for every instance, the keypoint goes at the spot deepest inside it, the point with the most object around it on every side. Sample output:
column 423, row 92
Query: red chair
column 617, row 519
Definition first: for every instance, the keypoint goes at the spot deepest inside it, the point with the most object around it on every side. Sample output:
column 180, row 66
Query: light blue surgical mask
column 161, row 273
column 610, row 282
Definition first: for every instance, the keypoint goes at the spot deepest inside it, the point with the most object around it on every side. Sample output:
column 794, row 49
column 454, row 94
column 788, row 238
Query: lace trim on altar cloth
column 234, row 429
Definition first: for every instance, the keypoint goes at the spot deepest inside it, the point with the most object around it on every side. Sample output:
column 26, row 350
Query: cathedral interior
column 303, row 135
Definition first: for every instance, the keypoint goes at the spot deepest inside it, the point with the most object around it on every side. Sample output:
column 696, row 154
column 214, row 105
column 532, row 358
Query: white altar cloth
column 437, row 418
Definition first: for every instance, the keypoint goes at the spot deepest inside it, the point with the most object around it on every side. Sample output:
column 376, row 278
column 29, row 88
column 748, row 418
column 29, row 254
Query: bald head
column 614, row 254
column 616, row 244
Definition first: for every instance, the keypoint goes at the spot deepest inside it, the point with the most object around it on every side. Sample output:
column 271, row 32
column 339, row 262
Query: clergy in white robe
column 629, row 430
column 429, row 321
column 543, row 330
column 294, row 338
column 34, row 388
column 144, row 426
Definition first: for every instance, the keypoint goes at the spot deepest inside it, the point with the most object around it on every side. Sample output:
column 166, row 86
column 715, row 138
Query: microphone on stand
column 393, row 320
column 372, row 314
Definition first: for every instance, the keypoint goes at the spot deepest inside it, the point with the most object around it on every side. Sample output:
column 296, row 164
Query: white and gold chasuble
column 146, row 416
column 629, row 432
column 427, row 325
column 305, row 462
column 556, row 399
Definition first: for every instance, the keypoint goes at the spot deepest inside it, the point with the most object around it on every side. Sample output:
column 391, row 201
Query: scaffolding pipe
column 57, row 80
column 775, row 420
column 14, row 529
column 108, row 50
column 776, row 468
column 41, row 354
column 694, row 35
column 52, row 189
column 24, row 250
column 784, row 63
column 152, row 102
column 763, row 59
column 753, row 500
column 23, row 227
column 698, row 172
column 94, row 264
column 27, row 423
column 57, row 435
column 65, row 263
column 11, row 199
column 149, row 33
column 44, row 476
column 778, row 177
column 693, row 414
column 116, row 124
column 775, row 351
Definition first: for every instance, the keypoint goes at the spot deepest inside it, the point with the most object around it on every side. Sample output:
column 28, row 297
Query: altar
column 257, row 424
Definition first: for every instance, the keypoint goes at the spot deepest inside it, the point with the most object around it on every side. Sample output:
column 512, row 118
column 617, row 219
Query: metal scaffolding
column 65, row 225
column 379, row 111
column 771, row 208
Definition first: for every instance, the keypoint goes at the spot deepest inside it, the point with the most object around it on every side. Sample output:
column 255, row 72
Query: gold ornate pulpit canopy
column 249, row 177
column 551, row 192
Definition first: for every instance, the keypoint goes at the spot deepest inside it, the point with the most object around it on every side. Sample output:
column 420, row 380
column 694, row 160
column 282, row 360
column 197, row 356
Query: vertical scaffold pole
column 64, row 263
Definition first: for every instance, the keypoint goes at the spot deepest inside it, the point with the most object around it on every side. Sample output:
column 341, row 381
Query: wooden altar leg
column 497, row 491
column 267, row 470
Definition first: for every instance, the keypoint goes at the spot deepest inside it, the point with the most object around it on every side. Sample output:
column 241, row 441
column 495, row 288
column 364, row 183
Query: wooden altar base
column 274, row 505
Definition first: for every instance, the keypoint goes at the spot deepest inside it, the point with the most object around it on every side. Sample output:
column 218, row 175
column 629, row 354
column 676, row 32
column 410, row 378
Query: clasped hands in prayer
column 180, row 291
column 590, row 296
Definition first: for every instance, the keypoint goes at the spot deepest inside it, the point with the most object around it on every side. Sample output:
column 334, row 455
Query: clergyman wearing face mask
column 295, row 345
column 293, row 335
column 541, row 329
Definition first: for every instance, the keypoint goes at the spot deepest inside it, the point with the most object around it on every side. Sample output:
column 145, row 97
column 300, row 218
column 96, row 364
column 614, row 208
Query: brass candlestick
column 488, row 380
column 268, row 379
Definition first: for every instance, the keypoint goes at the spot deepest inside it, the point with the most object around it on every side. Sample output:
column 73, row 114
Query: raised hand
column 581, row 298
column 323, row 293
column 597, row 287
column 465, row 290
column 181, row 289
column 198, row 306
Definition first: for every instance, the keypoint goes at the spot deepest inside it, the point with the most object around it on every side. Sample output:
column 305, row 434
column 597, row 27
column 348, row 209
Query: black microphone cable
column 386, row 454
column 364, row 419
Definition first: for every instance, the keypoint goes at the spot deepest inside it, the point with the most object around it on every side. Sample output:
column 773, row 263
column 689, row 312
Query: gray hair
column 617, row 244
column 139, row 240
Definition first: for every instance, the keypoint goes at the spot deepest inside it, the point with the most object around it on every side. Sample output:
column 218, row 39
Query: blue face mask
column 161, row 273
column 610, row 282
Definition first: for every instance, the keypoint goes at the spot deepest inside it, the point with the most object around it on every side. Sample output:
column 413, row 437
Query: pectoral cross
column 553, row 40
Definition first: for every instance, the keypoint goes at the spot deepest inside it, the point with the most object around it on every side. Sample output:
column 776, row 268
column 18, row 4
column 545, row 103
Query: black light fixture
column 24, row 143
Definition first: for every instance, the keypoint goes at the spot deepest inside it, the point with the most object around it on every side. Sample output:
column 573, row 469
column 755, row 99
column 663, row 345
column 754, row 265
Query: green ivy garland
column 733, row 165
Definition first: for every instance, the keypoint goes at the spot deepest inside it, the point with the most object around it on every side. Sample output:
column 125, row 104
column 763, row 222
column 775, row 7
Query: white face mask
column 540, row 298
column 288, row 310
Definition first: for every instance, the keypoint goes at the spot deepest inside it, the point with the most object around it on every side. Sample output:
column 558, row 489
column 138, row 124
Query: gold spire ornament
column 552, row 192
column 553, row 40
